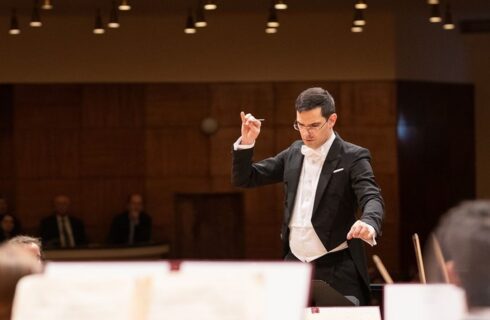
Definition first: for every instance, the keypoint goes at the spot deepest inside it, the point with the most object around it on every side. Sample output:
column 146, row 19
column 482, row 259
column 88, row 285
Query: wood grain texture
column 116, row 152
column 228, row 100
column 113, row 106
column 47, row 106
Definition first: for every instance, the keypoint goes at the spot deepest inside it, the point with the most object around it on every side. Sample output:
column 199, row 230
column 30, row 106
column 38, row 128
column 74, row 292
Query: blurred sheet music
column 198, row 290
column 48, row 298
column 343, row 313
column 189, row 297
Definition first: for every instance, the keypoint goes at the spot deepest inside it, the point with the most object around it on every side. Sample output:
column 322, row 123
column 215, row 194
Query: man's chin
column 310, row 143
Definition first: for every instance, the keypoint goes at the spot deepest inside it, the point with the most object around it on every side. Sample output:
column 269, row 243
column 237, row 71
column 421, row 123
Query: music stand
column 323, row 295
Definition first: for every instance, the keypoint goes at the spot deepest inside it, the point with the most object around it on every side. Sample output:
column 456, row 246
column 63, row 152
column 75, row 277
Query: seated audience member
column 9, row 227
column 464, row 235
column 60, row 229
column 30, row 244
column 15, row 263
column 133, row 225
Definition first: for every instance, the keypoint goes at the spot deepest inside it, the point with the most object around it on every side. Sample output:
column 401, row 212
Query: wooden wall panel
column 381, row 142
column 228, row 100
column 6, row 154
column 110, row 105
column 47, row 153
column 222, row 144
column 174, row 152
column 176, row 104
column 7, row 163
column 115, row 152
column 370, row 103
column 262, row 242
column 47, row 106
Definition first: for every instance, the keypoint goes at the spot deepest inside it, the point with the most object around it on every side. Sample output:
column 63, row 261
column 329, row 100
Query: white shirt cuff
column 238, row 146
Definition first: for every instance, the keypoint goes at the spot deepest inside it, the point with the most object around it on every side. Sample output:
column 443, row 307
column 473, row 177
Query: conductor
column 326, row 180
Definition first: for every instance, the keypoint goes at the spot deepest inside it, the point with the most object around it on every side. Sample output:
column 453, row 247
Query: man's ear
column 332, row 119
column 452, row 274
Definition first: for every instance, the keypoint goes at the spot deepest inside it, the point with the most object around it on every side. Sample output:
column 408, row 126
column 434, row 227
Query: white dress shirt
column 303, row 240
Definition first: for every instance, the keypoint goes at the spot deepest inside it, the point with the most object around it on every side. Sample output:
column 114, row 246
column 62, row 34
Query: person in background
column 464, row 236
column 31, row 244
column 133, row 226
column 61, row 229
column 9, row 227
column 15, row 263
column 9, row 224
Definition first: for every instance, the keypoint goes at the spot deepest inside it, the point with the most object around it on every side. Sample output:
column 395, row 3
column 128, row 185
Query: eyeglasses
column 312, row 127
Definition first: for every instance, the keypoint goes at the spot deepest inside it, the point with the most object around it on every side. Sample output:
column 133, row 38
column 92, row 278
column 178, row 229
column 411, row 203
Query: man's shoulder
column 296, row 144
column 352, row 149
column 293, row 147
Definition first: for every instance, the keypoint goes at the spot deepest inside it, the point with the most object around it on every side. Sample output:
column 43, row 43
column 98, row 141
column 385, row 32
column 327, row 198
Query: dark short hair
column 464, row 233
column 316, row 98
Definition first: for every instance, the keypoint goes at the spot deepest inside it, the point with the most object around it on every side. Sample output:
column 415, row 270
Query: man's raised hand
column 250, row 128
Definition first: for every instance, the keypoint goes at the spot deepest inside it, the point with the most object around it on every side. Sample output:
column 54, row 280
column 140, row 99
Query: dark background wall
column 436, row 156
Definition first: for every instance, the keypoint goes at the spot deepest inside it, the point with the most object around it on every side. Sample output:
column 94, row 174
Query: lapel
column 329, row 166
column 296, row 165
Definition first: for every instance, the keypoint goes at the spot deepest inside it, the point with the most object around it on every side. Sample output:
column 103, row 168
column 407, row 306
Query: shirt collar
column 324, row 148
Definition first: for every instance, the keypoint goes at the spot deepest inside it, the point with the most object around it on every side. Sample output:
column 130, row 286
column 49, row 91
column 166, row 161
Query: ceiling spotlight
column 114, row 19
column 124, row 6
column 272, row 21
column 359, row 17
column 448, row 19
column 269, row 30
column 190, row 27
column 14, row 23
column 360, row 4
column 200, row 18
column 99, row 27
column 435, row 13
column 356, row 29
column 210, row 5
column 432, row 1
column 36, row 17
column 47, row 5
column 280, row 5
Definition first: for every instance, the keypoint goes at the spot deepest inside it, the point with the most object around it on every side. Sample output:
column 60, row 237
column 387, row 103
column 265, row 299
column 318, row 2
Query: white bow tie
column 311, row 153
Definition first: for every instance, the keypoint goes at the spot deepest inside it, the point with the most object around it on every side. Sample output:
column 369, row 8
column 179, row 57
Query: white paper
column 73, row 269
column 424, row 302
column 344, row 313
column 150, row 291
column 186, row 296
column 48, row 298
column 287, row 284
